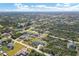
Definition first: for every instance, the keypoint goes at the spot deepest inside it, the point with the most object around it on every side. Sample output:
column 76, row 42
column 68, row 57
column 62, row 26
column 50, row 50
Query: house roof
column 38, row 42
column 10, row 44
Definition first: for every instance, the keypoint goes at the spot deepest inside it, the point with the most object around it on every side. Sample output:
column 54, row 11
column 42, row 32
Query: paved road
column 39, row 50
column 31, row 47
column 57, row 37
column 62, row 39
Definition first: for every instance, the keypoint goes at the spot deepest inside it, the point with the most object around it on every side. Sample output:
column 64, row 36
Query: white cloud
column 20, row 6
column 63, row 4
column 39, row 1
column 65, row 7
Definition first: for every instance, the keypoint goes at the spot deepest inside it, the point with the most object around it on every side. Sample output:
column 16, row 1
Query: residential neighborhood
column 39, row 34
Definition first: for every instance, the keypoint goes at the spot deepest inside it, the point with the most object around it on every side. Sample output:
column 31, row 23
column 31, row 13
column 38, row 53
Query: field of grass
column 4, row 48
column 1, row 55
column 17, row 47
column 35, row 39
column 30, row 31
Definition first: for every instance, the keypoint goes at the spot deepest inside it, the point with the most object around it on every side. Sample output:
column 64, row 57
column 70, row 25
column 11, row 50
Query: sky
column 38, row 7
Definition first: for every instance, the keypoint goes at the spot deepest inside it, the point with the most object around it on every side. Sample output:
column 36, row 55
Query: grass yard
column 1, row 54
column 17, row 47
column 34, row 39
column 4, row 48
column 29, row 42
column 33, row 32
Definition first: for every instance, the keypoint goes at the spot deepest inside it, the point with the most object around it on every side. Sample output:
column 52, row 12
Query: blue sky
column 45, row 7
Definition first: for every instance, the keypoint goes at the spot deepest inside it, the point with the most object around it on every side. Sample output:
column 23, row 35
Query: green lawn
column 1, row 55
column 17, row 47
column 34, row 39
column 4, row 48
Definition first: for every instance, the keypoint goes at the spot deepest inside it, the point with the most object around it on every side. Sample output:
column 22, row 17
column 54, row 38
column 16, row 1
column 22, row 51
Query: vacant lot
column 17, row 47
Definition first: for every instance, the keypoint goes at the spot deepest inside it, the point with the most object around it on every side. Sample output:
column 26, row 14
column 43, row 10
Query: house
column 22, row 54
column 35, row 35
column 4, row 54
column 21, row 25
column 36, row 43
column 39, row 46
column 24, row 37
column 71, row 45
column 10, row 46
column 6, row 35
column 2, row 41
column 5, row 40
